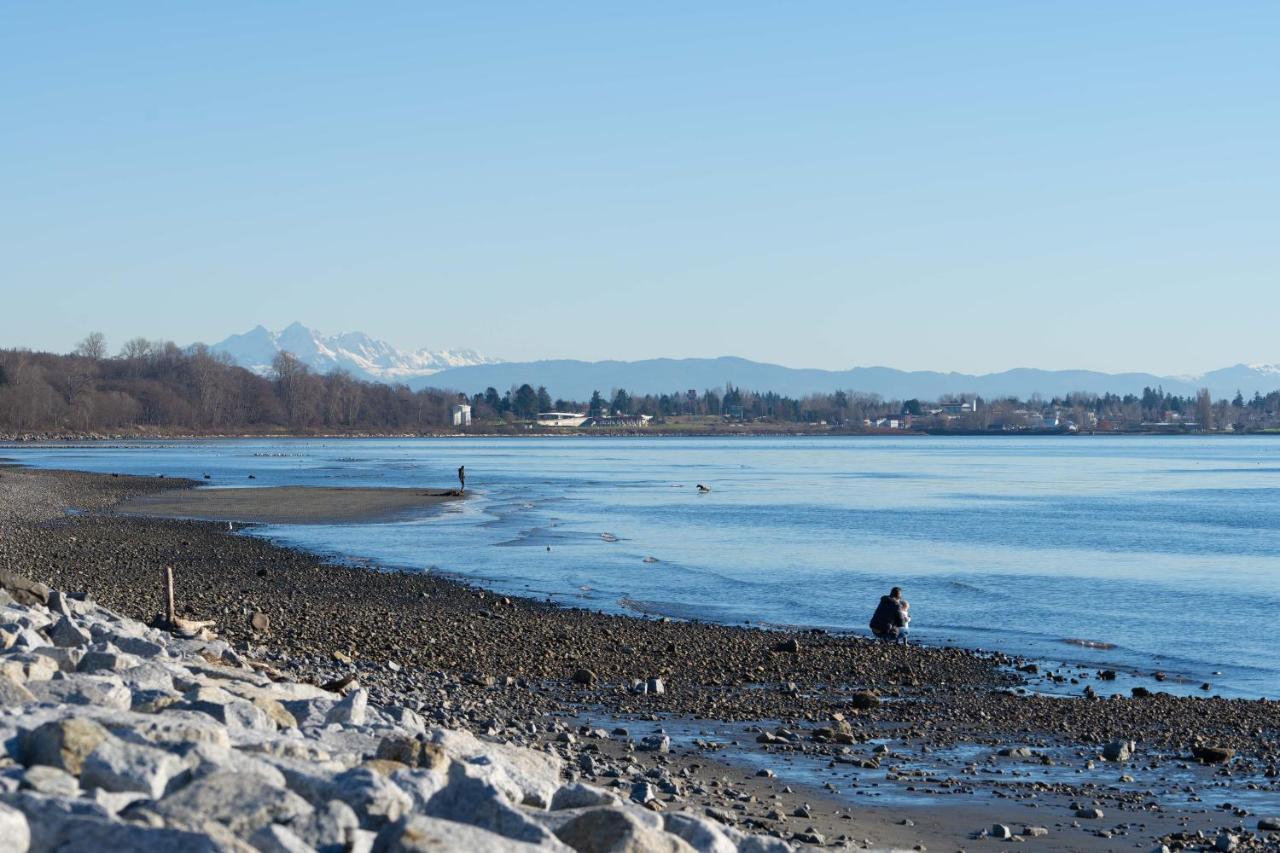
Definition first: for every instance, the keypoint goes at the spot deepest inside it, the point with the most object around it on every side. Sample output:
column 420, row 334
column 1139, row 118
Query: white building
column 561, row 419
column 461, row 414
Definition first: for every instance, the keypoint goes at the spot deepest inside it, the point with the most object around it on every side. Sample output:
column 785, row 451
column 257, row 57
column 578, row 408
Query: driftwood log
column 188, row 628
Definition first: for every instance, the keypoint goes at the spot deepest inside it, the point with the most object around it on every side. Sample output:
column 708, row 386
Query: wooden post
column 170, row 608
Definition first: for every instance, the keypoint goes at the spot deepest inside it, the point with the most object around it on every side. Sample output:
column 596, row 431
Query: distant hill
column 364, row 357
column 577, row 379
column 468, row 371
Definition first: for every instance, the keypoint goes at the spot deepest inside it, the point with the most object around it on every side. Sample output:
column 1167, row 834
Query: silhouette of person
column 462, row 478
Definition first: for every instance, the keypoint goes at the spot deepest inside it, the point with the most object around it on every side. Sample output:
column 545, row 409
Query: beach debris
column 1119, row 750
column 187, row 628
column 1212, row 754
column 864, row 699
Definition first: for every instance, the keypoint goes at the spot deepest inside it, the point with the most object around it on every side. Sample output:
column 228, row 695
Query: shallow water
column 1167, row 548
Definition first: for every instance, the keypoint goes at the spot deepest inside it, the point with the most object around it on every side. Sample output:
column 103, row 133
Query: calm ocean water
column 1168, row 548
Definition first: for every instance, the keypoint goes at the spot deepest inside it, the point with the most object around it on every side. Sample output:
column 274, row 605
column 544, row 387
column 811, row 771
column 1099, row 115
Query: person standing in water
column 889, row 622
column 462, row 478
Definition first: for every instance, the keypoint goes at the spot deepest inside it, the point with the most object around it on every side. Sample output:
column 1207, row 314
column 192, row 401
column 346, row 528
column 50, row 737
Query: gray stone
column 375, row 798
column 100, row 691
column 15, row 835
column 147, row 676
column 274, row 838
column 13, row 694
column 655, row 743
column 471, row 798
column 67, row 660
column 138, row 646
column 1269, row 824
column 117, row 765
column 609, row 830
column 53, row 781
column 232, row 711
column 63, row 743
column 67, row 634
column 1119, row 750
column 95, row 661
column 52, row 820
column 27, row 667
column 420, row 834
column 243, row 804
column 331, row 828
column 22, row 590
column 701, row 834
column 576, row 795
column 351, row 710
column 1000, row 831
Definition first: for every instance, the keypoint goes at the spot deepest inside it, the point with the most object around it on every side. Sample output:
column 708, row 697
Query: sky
column 952, row 186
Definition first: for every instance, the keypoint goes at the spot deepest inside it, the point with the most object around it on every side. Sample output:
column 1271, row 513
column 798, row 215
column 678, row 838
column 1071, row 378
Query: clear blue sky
column 965, row 186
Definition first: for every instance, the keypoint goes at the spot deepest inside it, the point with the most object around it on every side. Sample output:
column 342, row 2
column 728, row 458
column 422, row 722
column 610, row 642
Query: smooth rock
column 117, row 765
column 242, row 803
column 421, row 834
column 63, row 743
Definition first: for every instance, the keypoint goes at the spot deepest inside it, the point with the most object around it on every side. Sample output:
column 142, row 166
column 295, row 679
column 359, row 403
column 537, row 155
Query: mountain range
column 470, row 372
column 362, row 356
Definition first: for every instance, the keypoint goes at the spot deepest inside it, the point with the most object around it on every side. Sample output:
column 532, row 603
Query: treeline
column 158, row 385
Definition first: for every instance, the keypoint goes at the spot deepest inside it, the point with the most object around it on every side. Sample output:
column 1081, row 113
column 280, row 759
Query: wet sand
column 920, row 765
column 287, row 504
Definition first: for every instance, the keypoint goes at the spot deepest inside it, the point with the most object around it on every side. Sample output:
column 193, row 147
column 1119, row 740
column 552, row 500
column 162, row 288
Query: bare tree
column 93, row 346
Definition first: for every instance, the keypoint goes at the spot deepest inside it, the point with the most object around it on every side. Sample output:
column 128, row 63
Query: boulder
column 15, row 835
column 274, row 838
column 617, row 831
column 1119, row 750
column 471, row 798
column 576, row 795
column 375, row 799
column 64, row 744
column 13, row 694
column 22, row 590
column 67, row 634
column 420, row 834
column 117, row 765
column 701, row 834
column 242, row 803
column 1212, row 754
column 53, row 781
column 331, row 828
column 99, row 691
column 351, row 710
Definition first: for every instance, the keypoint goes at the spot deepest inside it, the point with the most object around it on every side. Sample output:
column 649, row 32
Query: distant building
column 733, row 413
column 961, row 408
column 618, row 421
column 568, row 420
column 461, row 414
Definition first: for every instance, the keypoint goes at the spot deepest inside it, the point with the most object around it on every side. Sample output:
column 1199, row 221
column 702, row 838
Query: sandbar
column 288, row 504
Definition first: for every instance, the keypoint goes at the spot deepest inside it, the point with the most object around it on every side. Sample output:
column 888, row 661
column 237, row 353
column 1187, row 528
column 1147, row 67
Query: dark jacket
column 888, row 616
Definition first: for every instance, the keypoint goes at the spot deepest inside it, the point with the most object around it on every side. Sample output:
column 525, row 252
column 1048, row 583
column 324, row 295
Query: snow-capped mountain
column 364, row 357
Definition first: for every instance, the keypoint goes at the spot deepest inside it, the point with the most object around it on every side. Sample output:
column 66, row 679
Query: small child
column 905, row 607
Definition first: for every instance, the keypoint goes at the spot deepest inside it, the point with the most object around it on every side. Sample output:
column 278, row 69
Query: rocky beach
column 785, row 737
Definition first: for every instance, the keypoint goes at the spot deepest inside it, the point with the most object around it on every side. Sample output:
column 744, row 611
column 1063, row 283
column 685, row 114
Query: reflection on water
column 1166, row 548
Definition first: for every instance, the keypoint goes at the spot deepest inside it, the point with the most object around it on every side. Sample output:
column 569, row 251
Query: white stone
column 15, row 835
column 117, row 765
column 351, row 710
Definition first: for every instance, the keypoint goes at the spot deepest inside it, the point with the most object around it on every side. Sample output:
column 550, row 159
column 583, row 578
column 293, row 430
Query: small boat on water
column 608, row 537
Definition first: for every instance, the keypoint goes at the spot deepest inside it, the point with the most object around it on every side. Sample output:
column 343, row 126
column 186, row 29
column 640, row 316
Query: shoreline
column 478, row 659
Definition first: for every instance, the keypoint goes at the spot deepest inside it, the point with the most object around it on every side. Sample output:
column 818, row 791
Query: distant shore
column 870, row 719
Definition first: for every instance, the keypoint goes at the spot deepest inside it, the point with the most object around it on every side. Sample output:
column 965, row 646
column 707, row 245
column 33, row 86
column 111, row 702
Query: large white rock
column 351, row 710
column 117, row 765
column 471, row 797
column 428, row 835
column 15, row 835
column 242, row 803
